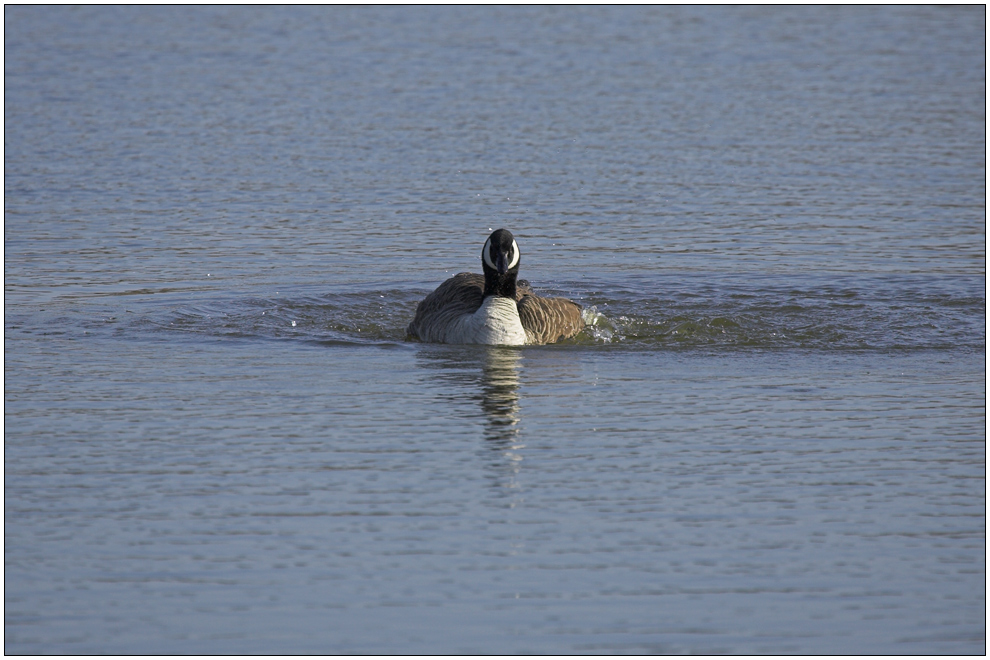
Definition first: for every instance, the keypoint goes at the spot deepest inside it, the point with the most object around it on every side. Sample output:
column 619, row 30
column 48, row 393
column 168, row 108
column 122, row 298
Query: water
column 218, row 222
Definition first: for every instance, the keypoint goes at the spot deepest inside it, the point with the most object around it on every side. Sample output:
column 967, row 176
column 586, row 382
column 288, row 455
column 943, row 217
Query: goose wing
column 548, row 320
column 461, row 294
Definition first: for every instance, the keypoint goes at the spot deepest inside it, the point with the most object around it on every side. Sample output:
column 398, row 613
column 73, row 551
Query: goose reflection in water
column 500, row 397
column 490, row 376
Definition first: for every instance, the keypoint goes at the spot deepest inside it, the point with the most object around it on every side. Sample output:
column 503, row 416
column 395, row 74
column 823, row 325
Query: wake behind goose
column 494, row 308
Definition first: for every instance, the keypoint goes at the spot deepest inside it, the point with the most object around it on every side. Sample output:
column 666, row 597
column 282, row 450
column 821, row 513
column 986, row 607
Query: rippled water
column 769, row 439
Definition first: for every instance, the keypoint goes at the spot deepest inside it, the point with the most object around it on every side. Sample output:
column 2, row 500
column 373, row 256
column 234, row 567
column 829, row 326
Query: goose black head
column 500, row 262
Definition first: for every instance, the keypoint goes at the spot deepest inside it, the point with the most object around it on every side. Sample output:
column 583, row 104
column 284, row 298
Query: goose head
column 500, row 263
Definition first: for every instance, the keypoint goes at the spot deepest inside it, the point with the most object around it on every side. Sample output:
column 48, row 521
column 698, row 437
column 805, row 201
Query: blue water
column 219, row 221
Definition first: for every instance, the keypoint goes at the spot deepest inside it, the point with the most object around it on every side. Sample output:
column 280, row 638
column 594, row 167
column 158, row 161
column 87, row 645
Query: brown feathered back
column 548, row 320
column 461, row 294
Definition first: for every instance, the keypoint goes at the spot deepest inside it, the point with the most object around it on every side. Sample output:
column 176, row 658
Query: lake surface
column 219, row 221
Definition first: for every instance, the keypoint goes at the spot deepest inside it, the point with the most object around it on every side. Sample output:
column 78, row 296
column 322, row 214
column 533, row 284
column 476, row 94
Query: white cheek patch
column 486, row 253
column 515, row 254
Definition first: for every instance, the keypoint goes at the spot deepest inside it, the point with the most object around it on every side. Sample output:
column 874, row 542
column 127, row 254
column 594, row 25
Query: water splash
column 599, row 327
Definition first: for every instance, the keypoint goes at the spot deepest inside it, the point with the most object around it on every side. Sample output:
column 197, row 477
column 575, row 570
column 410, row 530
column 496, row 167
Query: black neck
column 500, row 285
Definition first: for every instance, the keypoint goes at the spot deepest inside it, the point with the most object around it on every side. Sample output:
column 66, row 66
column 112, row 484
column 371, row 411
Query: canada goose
column 494, row 308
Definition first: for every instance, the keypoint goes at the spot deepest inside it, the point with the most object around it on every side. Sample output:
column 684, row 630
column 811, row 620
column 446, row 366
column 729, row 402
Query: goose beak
column 502, row 263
